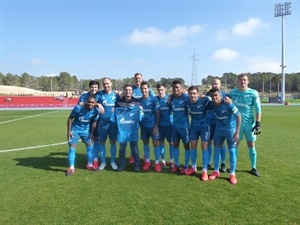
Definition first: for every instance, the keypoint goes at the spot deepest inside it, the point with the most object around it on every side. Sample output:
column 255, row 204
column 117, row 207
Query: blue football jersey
column 127, row 119
column 83, row 118
column 108, row 101
column 136, row 92
column 226, row 115
column 150, row 107
column 198, row 112
column 84, row 97
column 180, row 111
column 211, row 113
column 166, row 117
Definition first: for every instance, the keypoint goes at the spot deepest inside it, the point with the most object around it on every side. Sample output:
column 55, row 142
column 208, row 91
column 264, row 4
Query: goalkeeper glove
column 256, row 129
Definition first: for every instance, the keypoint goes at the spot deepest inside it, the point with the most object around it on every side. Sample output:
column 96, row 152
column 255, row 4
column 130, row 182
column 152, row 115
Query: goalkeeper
column 247, row 101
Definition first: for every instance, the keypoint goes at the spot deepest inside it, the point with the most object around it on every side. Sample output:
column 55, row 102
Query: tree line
column 264, row 83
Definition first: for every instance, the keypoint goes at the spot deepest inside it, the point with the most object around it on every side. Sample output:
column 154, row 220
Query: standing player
column 136, row 88
column 180, row 129
column 127, row 108
column 136, row 93
column 247, row 100
column 228, row 124
column 216, row 84
column 198, row 108
column 149, row 126
column 94, row 88
column 107, row 98
column 165, row 123
column 78, row 126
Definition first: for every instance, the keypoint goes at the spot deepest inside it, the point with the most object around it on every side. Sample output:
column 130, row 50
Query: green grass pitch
column 34, row 189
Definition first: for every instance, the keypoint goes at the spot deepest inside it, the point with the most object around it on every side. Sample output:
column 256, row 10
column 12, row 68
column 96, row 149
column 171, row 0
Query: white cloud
column 225, row 54
column 262, row 64
column 246, row 28
column 154, row 36
column 223, row 35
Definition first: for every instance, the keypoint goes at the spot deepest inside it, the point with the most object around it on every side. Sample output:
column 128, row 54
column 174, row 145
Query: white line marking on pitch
column 22, row 118
column 32, row 147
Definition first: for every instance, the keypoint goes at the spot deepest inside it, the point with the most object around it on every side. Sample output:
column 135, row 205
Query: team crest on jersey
column 180, row 102
column 223, row 111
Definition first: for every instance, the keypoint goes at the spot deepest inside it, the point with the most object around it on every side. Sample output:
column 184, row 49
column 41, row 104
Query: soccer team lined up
column 214, row 118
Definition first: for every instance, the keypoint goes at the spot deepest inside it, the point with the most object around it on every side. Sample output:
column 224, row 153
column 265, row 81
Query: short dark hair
column 127, row 85
column 91, row 97
column 94, row 82
column 136, row 74
column 193, row 87
column 176, row 82
column 213, row 90
column 145, row 83
column 242, row 75
column 160, row 85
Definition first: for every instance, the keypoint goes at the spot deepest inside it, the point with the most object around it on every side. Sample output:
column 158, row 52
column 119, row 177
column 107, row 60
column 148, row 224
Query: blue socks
column 71, row 156
column 157, row 151
column 209, row 148
column 162, row 151
column 217, row 159
column 171, row 152
column 102, row 150
column 194, row 157
column 90, row 154
column 223, row 154
column 232, row 159
column 176, row 156
column 96, row 149
column 187, row 156
column 205, row 159
column 146, row 151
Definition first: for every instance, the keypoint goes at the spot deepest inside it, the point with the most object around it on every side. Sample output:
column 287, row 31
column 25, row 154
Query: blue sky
column 96, row 38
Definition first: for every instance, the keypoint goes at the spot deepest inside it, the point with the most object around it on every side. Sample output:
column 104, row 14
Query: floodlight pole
column 282, row 10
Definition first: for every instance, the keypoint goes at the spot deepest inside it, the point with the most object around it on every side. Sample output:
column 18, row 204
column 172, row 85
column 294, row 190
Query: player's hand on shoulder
column 227, row 100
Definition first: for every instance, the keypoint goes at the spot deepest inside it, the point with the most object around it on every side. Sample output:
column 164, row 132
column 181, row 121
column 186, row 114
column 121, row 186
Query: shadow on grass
column 51, row 161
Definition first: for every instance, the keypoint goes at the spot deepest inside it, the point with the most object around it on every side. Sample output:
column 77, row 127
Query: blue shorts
column 107, row 128
column 212, row 125
column 181, row 133
column 202, row 132
column 165, row 132
column 246, row 129
column 146, row 133
column 224, row 134
column 85, row 137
